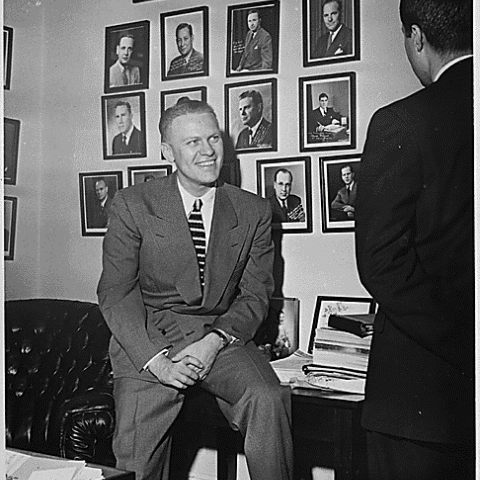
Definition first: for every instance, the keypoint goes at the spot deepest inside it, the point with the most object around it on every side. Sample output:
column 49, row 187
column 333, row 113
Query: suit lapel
column 227, row 237
column 174, row 240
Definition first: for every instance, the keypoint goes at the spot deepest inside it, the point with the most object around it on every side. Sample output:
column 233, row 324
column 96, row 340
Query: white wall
column 57, row 82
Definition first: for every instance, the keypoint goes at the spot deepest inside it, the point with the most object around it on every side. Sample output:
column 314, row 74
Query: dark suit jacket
column 135, row 145
column 345, row 198
column 279, row 215
column 414, row 243
column 98, row 216
column 341, row 45
column 258, row 53
column 150, row 278
column 263, row 136
column 316, row 117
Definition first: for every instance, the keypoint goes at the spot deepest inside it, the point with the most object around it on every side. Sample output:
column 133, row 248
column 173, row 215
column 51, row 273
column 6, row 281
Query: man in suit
column 180, row 317
column 258, row 52
column 121, row 72
column 98, row 217
column 129, row 140
column 343, row 205
column 286, row 207
column 414, row 245
column 323, row 116
column 189, row 60
column 338, row 38
column 258, row 130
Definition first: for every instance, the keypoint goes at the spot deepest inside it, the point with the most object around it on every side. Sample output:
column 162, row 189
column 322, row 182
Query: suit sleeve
column 338, row 203
column 267, row 52
column 250, row 306
column 388, row 263
column 119, row 294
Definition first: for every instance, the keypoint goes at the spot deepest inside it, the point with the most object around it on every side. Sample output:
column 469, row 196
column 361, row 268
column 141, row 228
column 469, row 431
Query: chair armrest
column 84, row 428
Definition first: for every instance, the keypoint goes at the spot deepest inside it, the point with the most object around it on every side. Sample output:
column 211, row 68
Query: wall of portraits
column 59, row 88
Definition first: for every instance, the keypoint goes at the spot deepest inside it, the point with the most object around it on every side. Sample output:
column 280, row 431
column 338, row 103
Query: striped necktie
column 195, row 222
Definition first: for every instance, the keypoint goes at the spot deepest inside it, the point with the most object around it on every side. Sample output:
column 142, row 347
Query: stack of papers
column 20, row 466
column 290, row 369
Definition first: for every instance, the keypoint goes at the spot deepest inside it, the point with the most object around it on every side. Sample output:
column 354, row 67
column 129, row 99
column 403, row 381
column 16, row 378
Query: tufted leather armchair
column 58, row 379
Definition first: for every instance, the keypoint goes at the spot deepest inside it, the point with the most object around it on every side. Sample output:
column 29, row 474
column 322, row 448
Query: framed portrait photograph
column 184, row 41
column 339, row 178
column 287, row 184
column 331, row 31
column 168, row 98
column 9, row 226
column 252, row 38
column 127, row 57
column 251, row 115
column 326, row 306
column 11, row 139
column 278, row 336
column 146, row 173
column 7, row 56
column 97, row 190
column 123, row 126
column 328, row 112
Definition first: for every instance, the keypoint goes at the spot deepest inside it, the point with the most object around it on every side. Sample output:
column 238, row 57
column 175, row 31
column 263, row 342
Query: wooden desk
column 326, row 427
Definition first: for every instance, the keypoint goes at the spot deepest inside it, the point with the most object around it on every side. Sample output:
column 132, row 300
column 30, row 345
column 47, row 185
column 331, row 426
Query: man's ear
column 167, row 152
column 418, row 38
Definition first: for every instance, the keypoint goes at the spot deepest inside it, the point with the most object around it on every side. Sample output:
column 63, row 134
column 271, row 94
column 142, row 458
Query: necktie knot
column 197, row 205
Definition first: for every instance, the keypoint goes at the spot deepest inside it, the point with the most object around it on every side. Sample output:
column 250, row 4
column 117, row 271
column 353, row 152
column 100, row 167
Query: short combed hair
column 121, row 103
column 184, row 106
column 447, row 24
column 125, row 35
column 338, row 2
column 256, row 97
column 282, row 170
column 254, row 10
column 181, row 26
column 323, row 95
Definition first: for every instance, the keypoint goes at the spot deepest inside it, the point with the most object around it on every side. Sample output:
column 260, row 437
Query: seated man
column 343, row 205
column 186, row 282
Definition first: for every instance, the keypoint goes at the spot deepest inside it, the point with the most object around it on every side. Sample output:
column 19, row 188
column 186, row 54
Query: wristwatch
column 224, row 336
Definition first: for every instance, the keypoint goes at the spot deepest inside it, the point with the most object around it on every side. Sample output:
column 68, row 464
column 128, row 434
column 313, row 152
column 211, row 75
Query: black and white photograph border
column 9, row 226
column 7, row 56
column 110, row 129
column 331, row 185
column 140, row 57
column 301, row 189
column 314, row 29
column 267, row 88
column 89, row 199
column 146, row 173
column 198, row 19
column 237, row 30
column 340, row 88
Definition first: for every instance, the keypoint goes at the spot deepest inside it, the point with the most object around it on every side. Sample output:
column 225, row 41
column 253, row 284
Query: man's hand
column 179, row 374
column 206, row 350
column 348, row 208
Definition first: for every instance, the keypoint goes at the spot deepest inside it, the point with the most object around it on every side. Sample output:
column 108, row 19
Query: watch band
column 226, row 341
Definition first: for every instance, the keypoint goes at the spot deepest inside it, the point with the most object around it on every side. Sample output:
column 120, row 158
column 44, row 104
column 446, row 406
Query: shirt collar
column 128, row 134
column 188, row 199
column 335, row 33
column 450, row 64
column 255, row 127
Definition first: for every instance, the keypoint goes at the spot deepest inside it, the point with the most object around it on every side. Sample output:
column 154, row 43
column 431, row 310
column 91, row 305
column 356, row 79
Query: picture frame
column 184, row 43
column 327, row 305
column 7, row 56
column 9, row 226
column 11, row 139
column 253, row 32
column 252, row 104
column 146, row 173
column 287, row 180
column 338, row 201
column 344, row 22
column 120, row 113
column 168, row 98
column 127, row 57
column 278, row 336
column 97, row 190
column 337, row 129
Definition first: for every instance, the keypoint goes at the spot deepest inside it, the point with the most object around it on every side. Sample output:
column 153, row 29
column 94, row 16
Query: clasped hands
column 188, row 366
